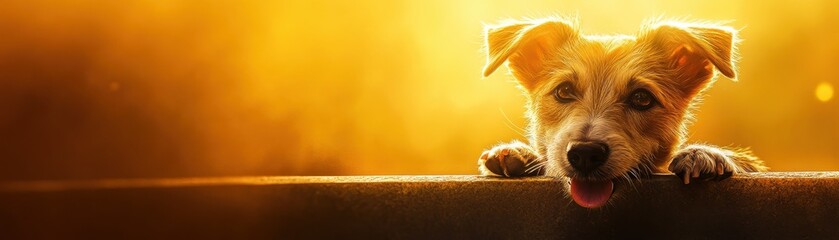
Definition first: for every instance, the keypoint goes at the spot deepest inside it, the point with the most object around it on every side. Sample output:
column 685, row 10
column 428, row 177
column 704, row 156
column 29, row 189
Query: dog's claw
column 701, row 162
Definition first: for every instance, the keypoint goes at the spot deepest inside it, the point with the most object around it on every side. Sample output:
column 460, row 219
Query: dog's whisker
column 629, row 180
column 535, row 167
column 512, row 126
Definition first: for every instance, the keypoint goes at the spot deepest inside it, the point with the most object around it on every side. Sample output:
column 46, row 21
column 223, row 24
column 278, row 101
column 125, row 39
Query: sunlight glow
column 824, row 91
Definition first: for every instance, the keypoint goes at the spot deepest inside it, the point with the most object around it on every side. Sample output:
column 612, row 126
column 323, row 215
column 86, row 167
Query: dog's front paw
column 702, row 162
column 515, row 159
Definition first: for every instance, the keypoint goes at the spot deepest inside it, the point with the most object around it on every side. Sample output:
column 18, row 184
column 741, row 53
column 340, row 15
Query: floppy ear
column 527, row 46
column 694, row 50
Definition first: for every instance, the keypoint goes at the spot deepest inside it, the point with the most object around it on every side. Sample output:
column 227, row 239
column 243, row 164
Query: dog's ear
column 527, row 46
column 694, row 50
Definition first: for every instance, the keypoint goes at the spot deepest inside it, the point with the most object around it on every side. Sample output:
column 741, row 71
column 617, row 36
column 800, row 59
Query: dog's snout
column 587, row 156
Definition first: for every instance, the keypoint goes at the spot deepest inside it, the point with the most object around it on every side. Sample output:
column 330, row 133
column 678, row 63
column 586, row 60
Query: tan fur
column 674, row 61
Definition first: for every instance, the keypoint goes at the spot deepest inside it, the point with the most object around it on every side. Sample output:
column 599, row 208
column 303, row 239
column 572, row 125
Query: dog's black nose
column 587, row 156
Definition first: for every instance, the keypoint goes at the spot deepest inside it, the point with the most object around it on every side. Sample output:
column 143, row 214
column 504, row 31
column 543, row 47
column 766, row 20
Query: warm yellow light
column 824, row 91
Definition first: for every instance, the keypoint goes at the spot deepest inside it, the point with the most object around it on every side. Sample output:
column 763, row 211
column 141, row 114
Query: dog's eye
column 564, row 93
column 641, row 100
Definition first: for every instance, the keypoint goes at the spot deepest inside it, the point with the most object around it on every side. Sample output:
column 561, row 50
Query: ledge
column 750, row 206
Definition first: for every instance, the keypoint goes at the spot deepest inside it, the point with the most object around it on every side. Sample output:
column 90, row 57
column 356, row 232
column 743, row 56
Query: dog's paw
column 702, row 162
column 509, row 160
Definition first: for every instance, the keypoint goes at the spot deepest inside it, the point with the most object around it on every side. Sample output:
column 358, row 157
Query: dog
column 604, row 110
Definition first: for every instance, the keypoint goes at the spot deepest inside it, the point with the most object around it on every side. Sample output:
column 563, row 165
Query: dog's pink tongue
column 591, row 194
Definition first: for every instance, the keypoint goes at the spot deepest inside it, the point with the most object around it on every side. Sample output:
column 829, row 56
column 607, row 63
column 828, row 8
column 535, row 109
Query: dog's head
column 605, row 108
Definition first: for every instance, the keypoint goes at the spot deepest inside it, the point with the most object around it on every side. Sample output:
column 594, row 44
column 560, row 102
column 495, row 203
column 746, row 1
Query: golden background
column 123, row 89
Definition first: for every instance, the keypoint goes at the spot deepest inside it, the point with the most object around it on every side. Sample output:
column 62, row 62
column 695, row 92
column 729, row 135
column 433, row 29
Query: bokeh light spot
column 824, row 91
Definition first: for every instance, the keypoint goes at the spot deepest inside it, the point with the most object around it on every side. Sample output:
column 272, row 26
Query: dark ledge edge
column 785, row 205
column 54, row 185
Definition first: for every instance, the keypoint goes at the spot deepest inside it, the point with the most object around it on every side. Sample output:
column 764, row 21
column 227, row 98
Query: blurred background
column 141, row 89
